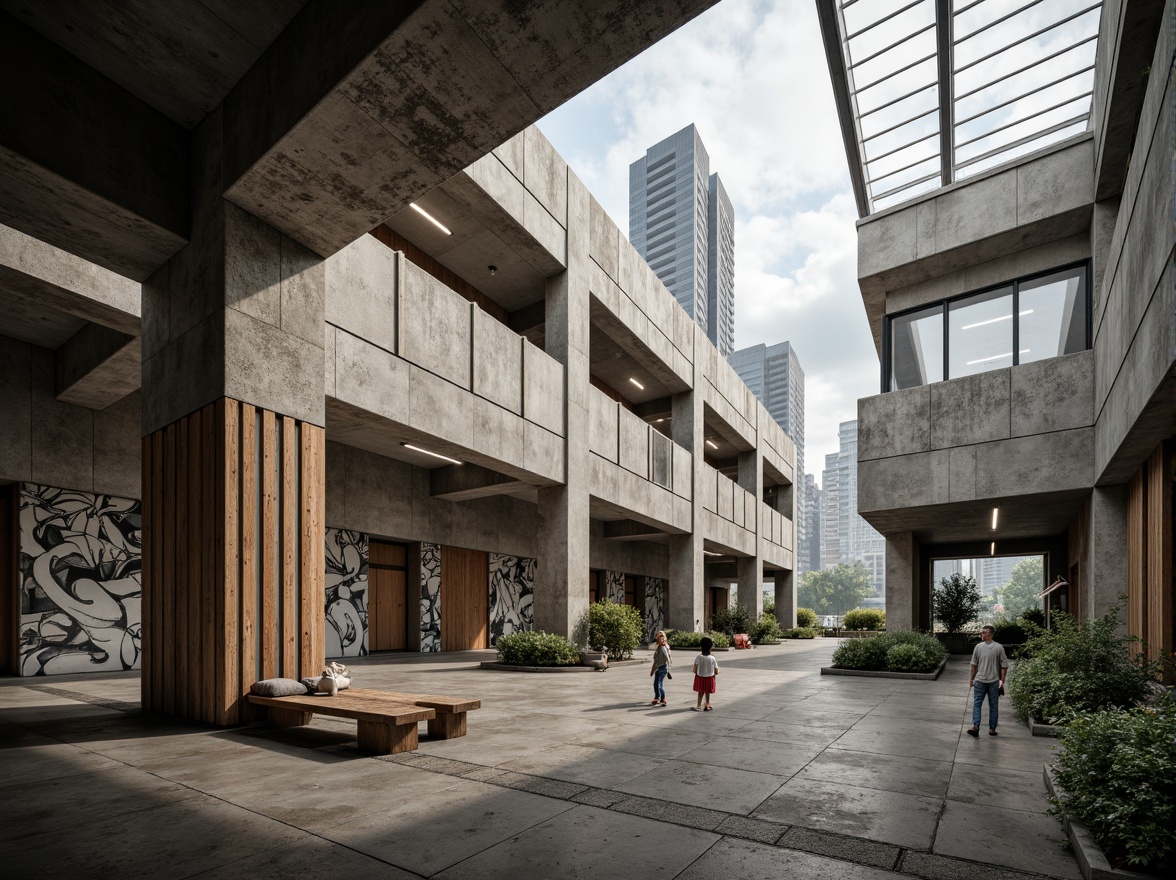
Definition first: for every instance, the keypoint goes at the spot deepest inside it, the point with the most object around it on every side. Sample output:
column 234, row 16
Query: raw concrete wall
column 630, row 557
column 1135, row 335
column 47, row 442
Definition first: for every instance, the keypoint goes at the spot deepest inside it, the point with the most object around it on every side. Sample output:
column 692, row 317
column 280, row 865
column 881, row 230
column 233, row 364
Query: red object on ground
column 742, row 640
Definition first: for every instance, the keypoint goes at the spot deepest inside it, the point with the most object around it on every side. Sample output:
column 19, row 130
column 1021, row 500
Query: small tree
column 617, row 628
column 834, row 590
column 731, row 620
column 956, row 601
column 1023, row 591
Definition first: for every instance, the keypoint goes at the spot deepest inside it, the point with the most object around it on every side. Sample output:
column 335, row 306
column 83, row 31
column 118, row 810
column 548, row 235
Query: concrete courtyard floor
column 794, row 775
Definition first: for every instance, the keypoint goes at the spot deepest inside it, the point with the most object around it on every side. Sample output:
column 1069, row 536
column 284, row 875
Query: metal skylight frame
column 894, row 132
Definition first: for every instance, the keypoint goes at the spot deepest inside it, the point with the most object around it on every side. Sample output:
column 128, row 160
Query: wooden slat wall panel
column 384, row 553
column 233, row 504
column 465, row 599
column 1159, row 553
column 1137, row 555
column 146, row 630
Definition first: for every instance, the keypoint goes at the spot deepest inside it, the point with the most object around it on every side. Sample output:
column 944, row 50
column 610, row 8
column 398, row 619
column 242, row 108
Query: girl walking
column 706, row 670
column 660, row 669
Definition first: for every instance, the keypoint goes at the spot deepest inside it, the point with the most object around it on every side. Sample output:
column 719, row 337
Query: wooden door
column 593, row 586
column 465, row 599
column 387, row 596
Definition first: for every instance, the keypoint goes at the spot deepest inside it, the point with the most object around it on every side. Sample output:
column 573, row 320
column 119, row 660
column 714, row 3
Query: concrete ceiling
column 34, row 322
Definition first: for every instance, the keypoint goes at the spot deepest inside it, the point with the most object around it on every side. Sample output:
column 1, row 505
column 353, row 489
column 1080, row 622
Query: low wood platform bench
column 450, row 720
column 387, row 726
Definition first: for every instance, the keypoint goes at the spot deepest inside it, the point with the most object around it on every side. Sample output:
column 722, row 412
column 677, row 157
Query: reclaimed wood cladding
column 1159, row 553
column 233, row 558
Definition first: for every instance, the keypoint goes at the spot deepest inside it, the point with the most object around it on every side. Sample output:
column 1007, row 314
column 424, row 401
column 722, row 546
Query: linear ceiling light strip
column 1025, row 95
column 1029, row 66
column 894, row 73
column 1025, row 39
column 1025, row 140
column 1000, row 20
column 1033, row 115
column 885, row 18
column 927, row 158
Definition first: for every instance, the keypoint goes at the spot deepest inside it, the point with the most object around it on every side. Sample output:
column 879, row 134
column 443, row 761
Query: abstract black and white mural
column 80, row 581
column 655, row 604
column 512, row 585
column 614, row 586
column 346, row 593
column 430, row 598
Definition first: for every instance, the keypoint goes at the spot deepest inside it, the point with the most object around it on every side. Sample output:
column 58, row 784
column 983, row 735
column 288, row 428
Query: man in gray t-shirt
column 988, row 670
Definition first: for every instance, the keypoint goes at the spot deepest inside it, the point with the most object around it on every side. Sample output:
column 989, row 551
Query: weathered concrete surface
column 98, row 366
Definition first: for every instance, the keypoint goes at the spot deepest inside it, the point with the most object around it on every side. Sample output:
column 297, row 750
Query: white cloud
column 752, row 76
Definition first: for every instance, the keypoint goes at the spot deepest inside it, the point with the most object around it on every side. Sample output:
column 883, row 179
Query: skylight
column 934, row 91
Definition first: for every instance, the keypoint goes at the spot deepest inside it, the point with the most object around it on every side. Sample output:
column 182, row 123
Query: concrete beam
column 631, row 530
column 98, row 366
column 85, row 165
column 469, row 481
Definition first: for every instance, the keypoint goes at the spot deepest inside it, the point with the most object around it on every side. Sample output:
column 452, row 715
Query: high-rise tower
column 682, row 223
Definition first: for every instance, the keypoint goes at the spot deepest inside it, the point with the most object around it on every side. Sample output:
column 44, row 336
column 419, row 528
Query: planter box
column 1092, row 861
column 1036, row 728
column 873, row 673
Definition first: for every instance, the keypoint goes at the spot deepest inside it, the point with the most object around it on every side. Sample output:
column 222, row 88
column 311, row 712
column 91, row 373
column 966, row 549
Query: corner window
column 1029, row 319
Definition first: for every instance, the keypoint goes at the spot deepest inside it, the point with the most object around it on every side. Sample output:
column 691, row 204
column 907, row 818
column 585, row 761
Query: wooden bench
column 387, row 726
column 450, row 720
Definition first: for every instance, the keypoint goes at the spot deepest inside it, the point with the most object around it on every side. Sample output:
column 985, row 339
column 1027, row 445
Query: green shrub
column 616, row 628
column 680, row 639
column 1118, row 772
column 765, row 631
column 864, row 618
column 731, row 620
column 1009, row 632
column 806, row 617
column 956, row 601
column 1034, row 616
column 536, row 649
column 801, row 632
column 1077, row 669
column 873, row 653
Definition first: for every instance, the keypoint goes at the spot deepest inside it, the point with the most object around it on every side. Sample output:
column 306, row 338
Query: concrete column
column 560, row 598
column 751, row 569
column 1104, row 577
column 685, row 605
column 902, row 581
column 785, row 582
column 233, row 458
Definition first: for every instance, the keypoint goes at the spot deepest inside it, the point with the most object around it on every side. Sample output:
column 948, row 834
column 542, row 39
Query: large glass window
column 917, row 348
column 980, row 333
column 1029, row 319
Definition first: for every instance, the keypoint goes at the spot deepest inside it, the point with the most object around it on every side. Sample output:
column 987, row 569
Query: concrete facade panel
column 546, row 174
column 62, row 435
column 440, row 408
column 546, row 229
column 361, row 291
column 1040, row 463
column 1053, row 395
column 544, row 453
column 897, row 423
column 605, row 241
column 500, row 184
column 371, row 378
column 117, row 465
column 634, row 443
column 498, row 363
column 603, row 437
column 905, row 481
column 961, row 478
column 981, row 209
column 436, row 326
column 889, row 241
column 971, row 409
column 543, row 389
column 16, row 404
column 329, row 373
column 271, row 368
column 253, row 267
column 1057, row 183
column 683, row 472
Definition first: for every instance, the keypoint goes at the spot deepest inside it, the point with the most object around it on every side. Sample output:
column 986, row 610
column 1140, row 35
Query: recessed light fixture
column 996, row 357
column 995, row 511
column 430, row 218
column 711, row 553
column 659, row 421
column 992, row 550
column 427, row 452
column 493, row 270
column 712, row 444
column 994, row 320
column 635, row 382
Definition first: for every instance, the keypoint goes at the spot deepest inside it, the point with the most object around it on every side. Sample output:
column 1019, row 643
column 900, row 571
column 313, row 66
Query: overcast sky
column 752, row 76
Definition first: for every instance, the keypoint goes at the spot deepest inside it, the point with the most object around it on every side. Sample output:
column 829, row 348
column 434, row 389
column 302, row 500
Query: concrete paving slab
column 752, row 829
column 810, row 715
column 1001, row 751
column 589, row 843
column 838, row 846
column 968, row 831
column 46, row 760
column 932, row 867
column 783, row 759
column 583, row 764
column 701, row 785
column 309, row 859
column 998, row 787
column 755, row 861
column 460, row 821
column 886, row 816
column 659, row 743
column 798, row 733
column 932, row 746
column 917, row 776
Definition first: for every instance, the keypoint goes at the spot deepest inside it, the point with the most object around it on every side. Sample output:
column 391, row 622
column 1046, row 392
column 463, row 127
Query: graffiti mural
column 346, row 593
column 430, row 597
column 512, row 584
column 614, row 586
column 655, row 603
column 80, row 581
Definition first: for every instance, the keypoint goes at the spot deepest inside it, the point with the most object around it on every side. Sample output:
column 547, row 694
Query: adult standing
column 989, row 667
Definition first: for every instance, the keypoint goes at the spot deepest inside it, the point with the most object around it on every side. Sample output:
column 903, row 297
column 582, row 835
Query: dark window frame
column 945, row 304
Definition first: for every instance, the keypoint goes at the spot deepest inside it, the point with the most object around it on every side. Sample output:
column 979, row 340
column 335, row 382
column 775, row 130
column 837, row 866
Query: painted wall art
column 614, row 586
column 430, row 598
column 512, row 585
column 346, row 593
column 80, row 581
column 655, row 604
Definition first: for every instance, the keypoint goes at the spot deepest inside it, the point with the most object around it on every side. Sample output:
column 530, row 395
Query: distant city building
column 774, row 375
column 808, row 549
column 845, row 536
column 682, row 223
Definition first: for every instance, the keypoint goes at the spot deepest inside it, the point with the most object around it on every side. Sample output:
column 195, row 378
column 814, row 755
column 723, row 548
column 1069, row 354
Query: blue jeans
column 659, row 682
column 979, row 690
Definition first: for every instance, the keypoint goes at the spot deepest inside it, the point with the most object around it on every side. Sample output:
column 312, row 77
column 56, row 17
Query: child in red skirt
column 706, row 669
